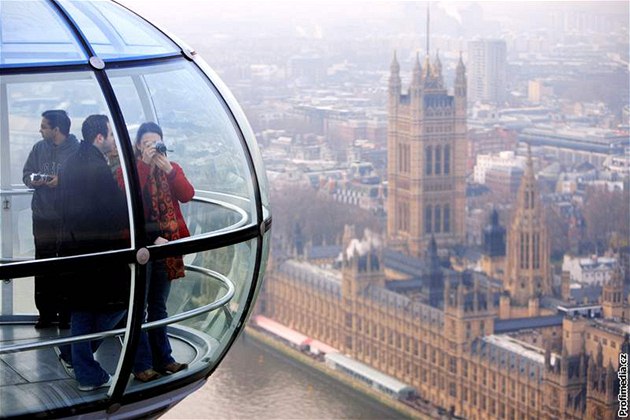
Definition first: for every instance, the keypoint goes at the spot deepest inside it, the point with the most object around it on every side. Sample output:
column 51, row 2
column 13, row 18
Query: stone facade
column 427, row 152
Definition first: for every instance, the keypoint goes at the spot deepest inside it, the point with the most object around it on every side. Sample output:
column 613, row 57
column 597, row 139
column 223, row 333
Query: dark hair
column 93, row 126
column 148, row 127
column 57, row 118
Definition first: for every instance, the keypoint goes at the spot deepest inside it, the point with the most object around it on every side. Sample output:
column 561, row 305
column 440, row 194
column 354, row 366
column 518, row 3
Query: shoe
column 43, row 323
column 147, row 375
column 172, row 367
column 87, row 388
column 66, row 366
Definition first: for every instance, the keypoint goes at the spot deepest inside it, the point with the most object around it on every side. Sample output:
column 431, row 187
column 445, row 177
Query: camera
column 40, row 177
column 160, row 148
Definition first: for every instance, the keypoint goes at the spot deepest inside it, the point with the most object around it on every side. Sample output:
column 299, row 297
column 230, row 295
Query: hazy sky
column 249, row 17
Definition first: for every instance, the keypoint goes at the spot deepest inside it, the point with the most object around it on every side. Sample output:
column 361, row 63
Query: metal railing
column 222, row 301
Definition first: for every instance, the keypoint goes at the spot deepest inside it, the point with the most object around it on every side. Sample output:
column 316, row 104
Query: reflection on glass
column 163, row 186
column 113, row 32
column 198, row 289
column 94, row 218
column 41, row 173
column 197, row 129
column 20, row 44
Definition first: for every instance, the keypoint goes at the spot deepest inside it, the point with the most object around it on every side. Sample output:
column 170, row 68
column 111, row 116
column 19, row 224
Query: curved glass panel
column 235, row 262
column 31, row 156
column 63, row 199
column 21, row 44
column 247, row 133
column 201, row 141
column 114, row 32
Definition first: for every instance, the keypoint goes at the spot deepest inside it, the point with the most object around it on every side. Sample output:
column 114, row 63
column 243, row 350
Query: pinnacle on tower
column 394, row 66
column 426, row 70
column 394, row 77
column 460, row 78
column 416, row 79
column 437, row 71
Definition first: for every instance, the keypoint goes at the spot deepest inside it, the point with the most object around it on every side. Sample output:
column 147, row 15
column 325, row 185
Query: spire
column 528, row 267
column 460, row 78
column 416, row 79
column 426, row 70
column 394, row 68
column 494, row 217
column 437, row 71
column 494, row 236
column 428, row 25
column 394, row 79
column 437, row 66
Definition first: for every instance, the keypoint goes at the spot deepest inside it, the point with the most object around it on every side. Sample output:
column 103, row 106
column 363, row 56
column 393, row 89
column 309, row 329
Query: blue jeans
column 144, row 359
column 158, row 291
column 88, row 371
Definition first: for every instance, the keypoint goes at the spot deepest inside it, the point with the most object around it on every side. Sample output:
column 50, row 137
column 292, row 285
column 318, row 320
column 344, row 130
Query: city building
column 478, row 346
column 592, row 270
column 504, row 182
column 538, row 90
column 487, row 63
column 454, row 349
column 571, row 146
column 506, row 159
column 426, row 158
column 528, row 272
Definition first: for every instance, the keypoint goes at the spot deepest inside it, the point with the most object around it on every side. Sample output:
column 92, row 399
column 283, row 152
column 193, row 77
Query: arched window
column 447, row 160
column 447, row 216
column 428, row 219
column 438, row 160
column 428, row 160
column 437, row 221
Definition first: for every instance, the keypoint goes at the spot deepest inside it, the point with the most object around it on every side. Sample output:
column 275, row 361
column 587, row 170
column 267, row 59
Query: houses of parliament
column 490, row 344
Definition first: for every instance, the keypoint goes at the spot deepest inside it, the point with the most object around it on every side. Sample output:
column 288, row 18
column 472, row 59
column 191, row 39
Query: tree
column 606, row 214
column 320, row 219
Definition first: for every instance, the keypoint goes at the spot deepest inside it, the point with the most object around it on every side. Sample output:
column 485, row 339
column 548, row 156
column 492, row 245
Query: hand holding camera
column 39, row 179
column 155, row 155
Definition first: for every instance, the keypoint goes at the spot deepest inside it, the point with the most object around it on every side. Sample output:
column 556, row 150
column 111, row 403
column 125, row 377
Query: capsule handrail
column 146, row 326
column 207, row 200
column 241, row 222
column 235, row 208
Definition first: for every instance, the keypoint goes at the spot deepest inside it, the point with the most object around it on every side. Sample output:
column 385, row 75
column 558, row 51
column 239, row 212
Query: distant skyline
column 268, row 17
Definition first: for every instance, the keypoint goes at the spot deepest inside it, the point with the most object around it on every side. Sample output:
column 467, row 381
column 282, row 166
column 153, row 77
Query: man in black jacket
column 41, row 172
column 94, row 219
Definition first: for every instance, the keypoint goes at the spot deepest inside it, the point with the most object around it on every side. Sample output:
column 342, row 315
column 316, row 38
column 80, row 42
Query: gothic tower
column 469, row 313
column 493, row 248
column 434, row 276
column 602, row 389
column 528, row 275
column 426, row 143
column 564, row 384
column 361, row 268
column 612, row 297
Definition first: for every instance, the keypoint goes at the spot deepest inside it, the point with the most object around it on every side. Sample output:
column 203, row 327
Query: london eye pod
column 97, row 57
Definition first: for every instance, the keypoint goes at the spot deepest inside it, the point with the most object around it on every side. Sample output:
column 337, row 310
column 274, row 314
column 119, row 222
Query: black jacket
column 47, row 158
column 94, row 218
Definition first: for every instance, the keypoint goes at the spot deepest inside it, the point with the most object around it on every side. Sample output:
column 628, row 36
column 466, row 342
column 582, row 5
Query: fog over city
column 475, row 166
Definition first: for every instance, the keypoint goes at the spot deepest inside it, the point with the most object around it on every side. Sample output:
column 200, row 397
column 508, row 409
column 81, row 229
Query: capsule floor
column 34, row 381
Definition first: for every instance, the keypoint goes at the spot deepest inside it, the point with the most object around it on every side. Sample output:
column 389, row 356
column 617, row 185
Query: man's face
column 109, row 143
column 46, row 130
column 106, row 144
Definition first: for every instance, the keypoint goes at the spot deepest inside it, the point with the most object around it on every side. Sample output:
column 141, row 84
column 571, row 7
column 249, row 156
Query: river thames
column 255, row 382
